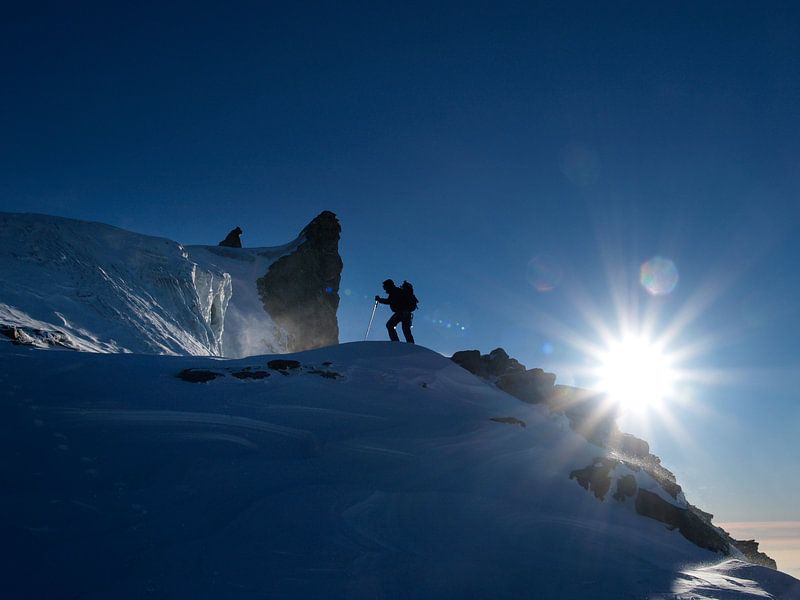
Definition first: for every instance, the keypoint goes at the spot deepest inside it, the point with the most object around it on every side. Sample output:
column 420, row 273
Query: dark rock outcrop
column 38, row 338
column 694, row 524
column 690, row 523
column 300, row 291
column 587, row 411
column 630, row 445
column 664, row 477
column 471, row 360
column 596, row 477
column 232, row 240
column 198, row 375
column 750, row 550
column 532, row 386
column 492, row 365
column 500, row 363
column 248, row 373
column 325, row 374
column 282, row 364
column 509, row 421
column 626, row 487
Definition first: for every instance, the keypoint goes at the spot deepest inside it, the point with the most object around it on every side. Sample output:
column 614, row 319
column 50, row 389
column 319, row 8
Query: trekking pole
column 374, row 308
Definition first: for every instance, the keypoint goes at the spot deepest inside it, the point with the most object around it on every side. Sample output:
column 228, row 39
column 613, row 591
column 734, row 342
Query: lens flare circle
column 544, row 273
column 658, row 276
column 636, row 374
column 448, row 320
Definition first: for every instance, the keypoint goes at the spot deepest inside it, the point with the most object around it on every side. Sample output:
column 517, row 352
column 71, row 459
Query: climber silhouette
column 232, row 239
column 403, row 302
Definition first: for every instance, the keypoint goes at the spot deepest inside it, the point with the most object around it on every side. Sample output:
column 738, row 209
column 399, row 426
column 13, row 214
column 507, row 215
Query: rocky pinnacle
column 300, row 291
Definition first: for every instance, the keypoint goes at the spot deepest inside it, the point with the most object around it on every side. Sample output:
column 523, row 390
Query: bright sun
column 636, row 374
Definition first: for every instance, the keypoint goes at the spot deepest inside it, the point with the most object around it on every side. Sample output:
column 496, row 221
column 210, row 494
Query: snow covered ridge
column 93, row 287
column 618, row 471
column 366, row 470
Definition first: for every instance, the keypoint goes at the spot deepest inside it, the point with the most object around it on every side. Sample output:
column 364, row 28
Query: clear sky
column 518, row 164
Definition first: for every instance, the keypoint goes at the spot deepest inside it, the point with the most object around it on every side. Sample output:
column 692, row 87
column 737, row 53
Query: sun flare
column 636, row 374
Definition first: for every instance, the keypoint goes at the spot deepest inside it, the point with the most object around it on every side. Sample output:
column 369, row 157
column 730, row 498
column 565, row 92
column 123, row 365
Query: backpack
column 411, row 301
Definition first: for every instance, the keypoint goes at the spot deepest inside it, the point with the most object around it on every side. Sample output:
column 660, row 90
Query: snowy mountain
column 94, row 287
column 366, row 470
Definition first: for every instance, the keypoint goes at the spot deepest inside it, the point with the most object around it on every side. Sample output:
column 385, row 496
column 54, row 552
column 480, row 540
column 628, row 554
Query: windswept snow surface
column 95, row 287
column 372, row 471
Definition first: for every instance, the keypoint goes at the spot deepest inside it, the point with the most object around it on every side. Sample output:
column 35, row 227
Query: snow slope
column 374, row 470
column 94, row 287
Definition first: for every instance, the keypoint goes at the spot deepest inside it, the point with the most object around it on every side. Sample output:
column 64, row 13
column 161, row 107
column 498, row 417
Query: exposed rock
column 16, row 335
column 691, row 524
column 471, row 361
column 532, row 386
column 488, row 366
column 300, row 291
column 666, row 480
column 626, row 487
column 629, row 445
column 695, row 525
column 596, row 477
column 750, row 550
column 500, row 363
column 706, row 515
column 588, row 413
column 198, row 375
column 325, row 374
column 249, row 374
column 232, row 240
column 635, row 453
column 38, row 338
column 509, row 421
column 282, row 364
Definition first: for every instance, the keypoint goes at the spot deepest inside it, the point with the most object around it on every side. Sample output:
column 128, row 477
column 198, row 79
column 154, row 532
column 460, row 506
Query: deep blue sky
column 457, row 143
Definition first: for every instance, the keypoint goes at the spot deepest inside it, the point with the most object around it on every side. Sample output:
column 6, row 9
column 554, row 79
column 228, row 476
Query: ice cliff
column 94, row 287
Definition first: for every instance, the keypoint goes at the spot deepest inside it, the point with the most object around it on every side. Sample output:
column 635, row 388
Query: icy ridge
column 100, row 288
column 250, row 329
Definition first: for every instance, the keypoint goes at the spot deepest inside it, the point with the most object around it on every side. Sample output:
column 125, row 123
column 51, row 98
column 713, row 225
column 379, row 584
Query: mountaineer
column 403, row 303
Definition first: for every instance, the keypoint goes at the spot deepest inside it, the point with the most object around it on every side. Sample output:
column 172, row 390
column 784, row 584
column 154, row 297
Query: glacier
column 94, row 287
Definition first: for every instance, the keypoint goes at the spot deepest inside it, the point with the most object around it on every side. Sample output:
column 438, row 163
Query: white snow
column 733, row 580
column 391, row 481
column 99, row 288
column 249, row 329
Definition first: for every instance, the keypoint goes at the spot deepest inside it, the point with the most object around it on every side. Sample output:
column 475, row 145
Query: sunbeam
column 636, row 374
